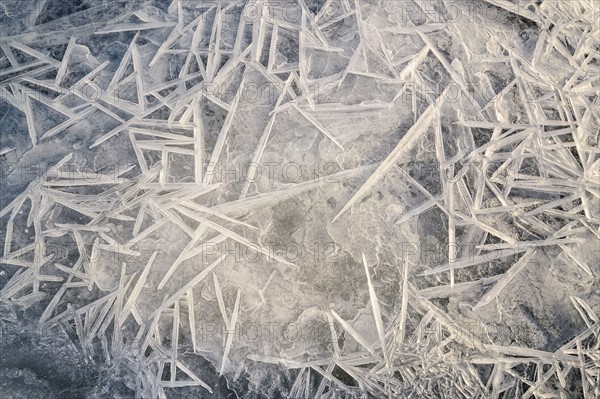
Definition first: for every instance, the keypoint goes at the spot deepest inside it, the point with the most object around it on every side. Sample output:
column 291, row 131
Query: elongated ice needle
column 261, row 292
column 404, row 305
column 251, row 175
column 375, row 306
column 6, row 150
column 198, row 143
column 209, row 174
column 117, row 332
column 231, row 331
column 264, row 138
column 236, row 237
column 220, row 301
column 139, row 80
column 184, row 253
column 139, row 219
column 326, row 376
column 475, row 260
column 124, row 125
column 452, row 244
column 192, row 317
column 417, row 131
column 9, row 54
column 174, row 341
column 318, row 125
column 191, row 284
column 34, row 53
column 506, row 279
column 137, row 289
column 125, row 27
column 587, row 313
column 60, row 75
column 93, row 264
column 357, row 337
column 30, row 121
column 173, row 37
column 273, row 47
column 72, row 272
column 213, row 212
column 8, row 238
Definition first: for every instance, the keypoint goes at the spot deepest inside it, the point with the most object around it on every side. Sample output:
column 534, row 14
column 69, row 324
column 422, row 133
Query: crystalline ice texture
column 303, row 199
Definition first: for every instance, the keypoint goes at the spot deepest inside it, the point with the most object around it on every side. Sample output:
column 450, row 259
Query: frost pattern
column 307, row 199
